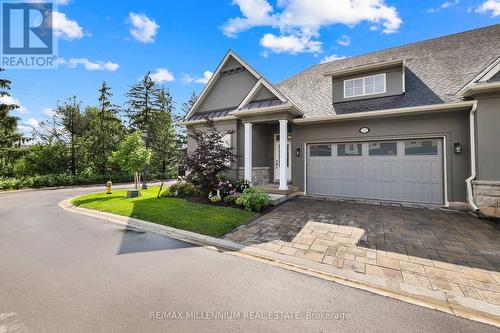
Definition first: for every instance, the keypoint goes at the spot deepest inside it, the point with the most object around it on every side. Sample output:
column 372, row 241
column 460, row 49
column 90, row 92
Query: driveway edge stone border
column 459, row 306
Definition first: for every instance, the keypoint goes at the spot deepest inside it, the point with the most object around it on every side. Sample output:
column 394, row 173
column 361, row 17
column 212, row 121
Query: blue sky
column 182, row 41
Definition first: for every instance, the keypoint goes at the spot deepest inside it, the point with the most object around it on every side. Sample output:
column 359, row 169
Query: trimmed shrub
column 231, row 199
column 66, row 180
column 253, row 199
column 183, row 189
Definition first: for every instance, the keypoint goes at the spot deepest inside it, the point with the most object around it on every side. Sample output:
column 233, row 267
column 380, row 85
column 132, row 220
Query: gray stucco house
column 416, row 123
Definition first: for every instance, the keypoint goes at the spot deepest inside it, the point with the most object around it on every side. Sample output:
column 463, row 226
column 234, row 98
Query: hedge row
column 66, row 180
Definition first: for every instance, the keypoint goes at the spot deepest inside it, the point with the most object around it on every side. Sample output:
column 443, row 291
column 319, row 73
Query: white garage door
column 409, row 170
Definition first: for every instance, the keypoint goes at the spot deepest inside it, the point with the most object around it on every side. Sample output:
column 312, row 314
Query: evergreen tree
column 142, row 104
column 103, row 130
column 181, row 130
column 9, row 135
column 162, row 134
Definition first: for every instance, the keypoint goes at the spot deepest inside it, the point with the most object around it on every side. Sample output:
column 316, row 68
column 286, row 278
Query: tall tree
column 103, row 130
column 162, row 134
column 142, row 104
column 9, row 135
column 181, row 130
column 67, row 127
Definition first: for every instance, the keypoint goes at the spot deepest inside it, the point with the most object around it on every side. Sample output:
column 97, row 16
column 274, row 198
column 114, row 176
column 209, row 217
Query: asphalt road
column 63, row 272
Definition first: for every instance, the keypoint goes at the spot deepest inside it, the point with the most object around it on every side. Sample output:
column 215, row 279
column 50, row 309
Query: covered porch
column 266, row 114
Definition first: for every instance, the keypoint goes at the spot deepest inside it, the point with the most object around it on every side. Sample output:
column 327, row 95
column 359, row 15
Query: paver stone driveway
column 438, row 249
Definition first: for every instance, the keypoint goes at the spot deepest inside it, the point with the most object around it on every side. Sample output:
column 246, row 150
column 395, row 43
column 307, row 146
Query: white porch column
column 248, row 151
column 283, row 154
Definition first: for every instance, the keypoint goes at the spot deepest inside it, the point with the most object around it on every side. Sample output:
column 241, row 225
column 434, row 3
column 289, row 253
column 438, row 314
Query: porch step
column 274, row 189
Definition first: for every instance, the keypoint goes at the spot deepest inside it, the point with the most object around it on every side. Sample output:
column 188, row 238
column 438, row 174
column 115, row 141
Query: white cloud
column 66, row 28
column 89, row 65
column 299, row 22
column 444, row 5
column 344, row 40
column 162, row 75
column 48, row 112
column 290, row 44
column 186, row 78
column 143, row 29
column 492, row 6
column 331, row 58
column 255, row 13
column 9, row 100
column 32, row 122
column 63, row 2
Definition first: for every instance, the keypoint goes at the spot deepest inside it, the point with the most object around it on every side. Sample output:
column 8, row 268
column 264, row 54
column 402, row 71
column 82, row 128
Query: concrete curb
column 459, row 306
column 47, row 188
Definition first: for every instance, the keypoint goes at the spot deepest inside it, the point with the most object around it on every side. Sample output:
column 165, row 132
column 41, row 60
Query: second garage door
column 406, row 170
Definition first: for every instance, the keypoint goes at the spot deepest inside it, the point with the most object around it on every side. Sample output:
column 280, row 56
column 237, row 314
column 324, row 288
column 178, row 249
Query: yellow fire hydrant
column 109, row 187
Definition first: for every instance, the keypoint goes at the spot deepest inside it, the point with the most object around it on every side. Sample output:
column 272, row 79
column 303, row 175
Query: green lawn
column 173, row 212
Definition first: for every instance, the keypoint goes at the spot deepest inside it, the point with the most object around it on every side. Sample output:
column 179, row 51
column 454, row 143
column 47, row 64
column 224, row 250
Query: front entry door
column 277, row 159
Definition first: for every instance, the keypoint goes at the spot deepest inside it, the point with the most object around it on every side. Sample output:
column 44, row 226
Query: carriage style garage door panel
column 404, row 170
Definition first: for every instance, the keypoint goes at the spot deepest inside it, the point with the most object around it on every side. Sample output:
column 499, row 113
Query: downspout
column 468, row 181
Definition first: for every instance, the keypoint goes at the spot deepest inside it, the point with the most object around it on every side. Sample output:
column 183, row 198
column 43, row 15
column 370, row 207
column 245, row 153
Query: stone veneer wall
column 260, row 175
column 487, row 197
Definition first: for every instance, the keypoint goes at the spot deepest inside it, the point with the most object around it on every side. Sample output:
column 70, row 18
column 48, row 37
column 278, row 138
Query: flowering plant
column 226, row 188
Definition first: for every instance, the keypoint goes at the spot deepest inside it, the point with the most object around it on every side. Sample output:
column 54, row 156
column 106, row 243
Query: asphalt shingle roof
column 436, row 70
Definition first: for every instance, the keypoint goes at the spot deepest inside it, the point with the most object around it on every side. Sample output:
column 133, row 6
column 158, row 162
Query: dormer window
column 363, row 86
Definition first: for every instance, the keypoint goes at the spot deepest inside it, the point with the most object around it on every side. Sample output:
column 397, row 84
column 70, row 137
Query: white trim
column 445, row 171
column 261, row 82
column 446, row 202
column 483, row 76
column 491, row 72
column 215, row 76
column 248, row 151
column 289, row 168
column 305, row 152
column 478, row 88
column 283, row 154
column 387, row 112
column 364, row 68
column 363, row 78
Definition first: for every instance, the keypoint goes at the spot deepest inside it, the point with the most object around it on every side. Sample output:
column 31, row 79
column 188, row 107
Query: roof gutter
column 387, row 113
column 468, row 181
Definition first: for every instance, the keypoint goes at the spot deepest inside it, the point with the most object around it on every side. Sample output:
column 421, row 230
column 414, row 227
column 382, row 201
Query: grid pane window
column 369, row 85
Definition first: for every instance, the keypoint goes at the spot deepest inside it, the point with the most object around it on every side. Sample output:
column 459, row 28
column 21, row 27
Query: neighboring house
column 416, row 123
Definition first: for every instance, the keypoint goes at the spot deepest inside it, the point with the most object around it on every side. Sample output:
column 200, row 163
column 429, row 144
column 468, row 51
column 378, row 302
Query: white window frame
column 364, row 93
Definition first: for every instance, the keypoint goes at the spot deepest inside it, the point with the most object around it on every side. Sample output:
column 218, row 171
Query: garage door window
column 383, row 149
column 349, row 149
column 421, row 147
column 320, row 150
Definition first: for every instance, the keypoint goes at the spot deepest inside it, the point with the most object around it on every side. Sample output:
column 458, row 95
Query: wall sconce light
column 457, row 148
column 297, row 152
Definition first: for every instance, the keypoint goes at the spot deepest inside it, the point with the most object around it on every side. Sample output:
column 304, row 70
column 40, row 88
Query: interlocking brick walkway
column 444, row 250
